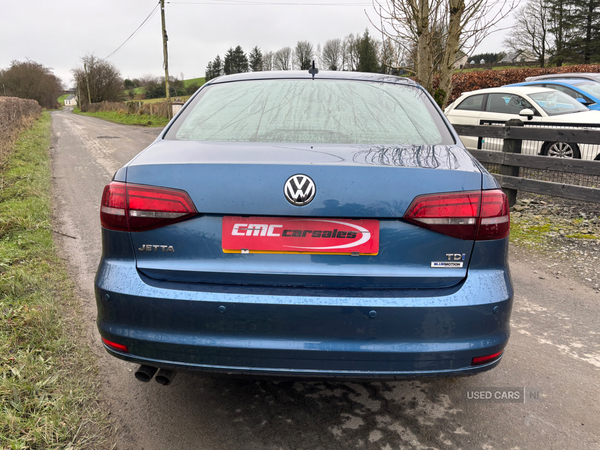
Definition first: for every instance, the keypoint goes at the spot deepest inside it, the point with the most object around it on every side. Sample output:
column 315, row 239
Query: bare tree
column 268, row 61
column 97, row 81
column 282, row 59
column 304, row 55
column 393, row 56
column 147, row 79
column 350, row 55
column 31, row 80
column 318, row 55
column 531, row 30
column 332, row 54
column 438, row 29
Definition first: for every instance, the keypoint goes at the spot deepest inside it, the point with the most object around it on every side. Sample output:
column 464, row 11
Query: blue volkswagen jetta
column 324, row 224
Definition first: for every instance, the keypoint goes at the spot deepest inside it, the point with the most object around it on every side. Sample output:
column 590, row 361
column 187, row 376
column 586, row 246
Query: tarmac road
column 555, row 347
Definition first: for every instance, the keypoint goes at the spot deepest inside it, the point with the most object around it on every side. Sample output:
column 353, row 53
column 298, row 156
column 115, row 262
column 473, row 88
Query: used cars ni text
column 324, row 224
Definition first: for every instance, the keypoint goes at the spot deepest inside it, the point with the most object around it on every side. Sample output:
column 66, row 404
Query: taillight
column 471, row 215
column 495, row 216
column 135, row 207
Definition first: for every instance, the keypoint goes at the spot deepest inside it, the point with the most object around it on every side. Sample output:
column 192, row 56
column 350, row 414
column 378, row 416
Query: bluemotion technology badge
column 299, row 190
column 454, row 261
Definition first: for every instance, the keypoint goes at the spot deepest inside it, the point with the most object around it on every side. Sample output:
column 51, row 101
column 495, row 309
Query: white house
column 71, row 100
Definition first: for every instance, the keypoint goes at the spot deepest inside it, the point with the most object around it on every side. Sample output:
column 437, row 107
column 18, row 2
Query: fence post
column 511, row 146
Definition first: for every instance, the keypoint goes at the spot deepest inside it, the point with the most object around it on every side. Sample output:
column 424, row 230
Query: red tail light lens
column 115, row 346
column 495, row 216
column 134, row 207
column 486, row 359
column 472, row 215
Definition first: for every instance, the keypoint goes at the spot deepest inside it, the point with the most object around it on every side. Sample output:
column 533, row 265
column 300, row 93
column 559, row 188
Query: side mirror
column 582, row 101
column 526, row 113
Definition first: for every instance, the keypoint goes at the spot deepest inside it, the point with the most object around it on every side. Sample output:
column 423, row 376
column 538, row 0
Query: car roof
column 550, row 76
column 522, row 90
column 568, row 81
column 322, row 74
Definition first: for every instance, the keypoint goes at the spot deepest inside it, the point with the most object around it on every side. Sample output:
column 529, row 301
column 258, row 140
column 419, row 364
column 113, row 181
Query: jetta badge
column 299, row 190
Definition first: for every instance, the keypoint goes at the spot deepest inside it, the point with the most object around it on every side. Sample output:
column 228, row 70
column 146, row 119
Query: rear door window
column 472, row 103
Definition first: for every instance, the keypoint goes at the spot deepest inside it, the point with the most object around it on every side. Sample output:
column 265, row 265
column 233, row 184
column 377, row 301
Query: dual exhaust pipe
column 145, row 373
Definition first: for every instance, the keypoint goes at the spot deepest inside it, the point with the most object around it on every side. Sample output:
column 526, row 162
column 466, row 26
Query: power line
column 146, row 20
column 267, row 3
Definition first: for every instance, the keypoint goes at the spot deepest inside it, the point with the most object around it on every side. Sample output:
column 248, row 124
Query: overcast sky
column 56, row 33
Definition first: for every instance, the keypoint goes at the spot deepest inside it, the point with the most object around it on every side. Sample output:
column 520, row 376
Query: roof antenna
column 313, row 71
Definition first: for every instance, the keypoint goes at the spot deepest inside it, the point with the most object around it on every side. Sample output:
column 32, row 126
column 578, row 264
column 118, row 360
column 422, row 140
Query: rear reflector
column 115, row 346
column 471, row 215
column 486, row 359
column 134, row 207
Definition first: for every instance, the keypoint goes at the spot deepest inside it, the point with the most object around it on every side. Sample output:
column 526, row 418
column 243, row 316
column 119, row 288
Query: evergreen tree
column 208, row 72
column 561, row 27
column 367, row 54
column 217, row 67
column 213, row 69
column 584, row 45
column 235, row 61
column 256, row 59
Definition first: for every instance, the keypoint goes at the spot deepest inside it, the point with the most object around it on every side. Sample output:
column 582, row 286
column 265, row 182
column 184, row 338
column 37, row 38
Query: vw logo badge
column 299, row 190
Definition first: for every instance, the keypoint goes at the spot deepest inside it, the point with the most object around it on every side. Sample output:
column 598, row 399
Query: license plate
column 300, row 235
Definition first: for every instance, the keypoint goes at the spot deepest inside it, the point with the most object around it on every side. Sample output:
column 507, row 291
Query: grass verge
column 127, row 119
column 48, row 396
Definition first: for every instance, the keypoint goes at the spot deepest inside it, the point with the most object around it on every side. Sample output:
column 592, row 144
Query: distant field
column 199, row 81
column 61, row 99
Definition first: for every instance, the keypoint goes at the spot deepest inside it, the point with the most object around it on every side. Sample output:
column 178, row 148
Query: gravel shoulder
column 565, row 233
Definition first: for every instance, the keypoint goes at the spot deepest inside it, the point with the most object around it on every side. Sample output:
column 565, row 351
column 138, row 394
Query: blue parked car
column 324, row 224
column 585, row 90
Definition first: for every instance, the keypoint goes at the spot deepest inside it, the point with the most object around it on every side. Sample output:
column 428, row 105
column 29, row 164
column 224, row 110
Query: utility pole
column 87, row 81
column 165, row 54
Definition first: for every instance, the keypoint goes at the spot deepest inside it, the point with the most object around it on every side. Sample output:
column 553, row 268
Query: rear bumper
column 224, row 330
column 287, row 372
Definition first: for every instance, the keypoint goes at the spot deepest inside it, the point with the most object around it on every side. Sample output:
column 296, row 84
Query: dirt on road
column 554, row 349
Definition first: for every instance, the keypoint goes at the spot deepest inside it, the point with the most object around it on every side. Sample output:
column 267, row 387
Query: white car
column 532, row 104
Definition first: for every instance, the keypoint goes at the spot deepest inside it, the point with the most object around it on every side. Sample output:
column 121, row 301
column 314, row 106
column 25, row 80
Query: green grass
column 48, row 396
column 199, row 81
column 127, row 119
column 582, row 236
column 523, row 232
column 61, row 99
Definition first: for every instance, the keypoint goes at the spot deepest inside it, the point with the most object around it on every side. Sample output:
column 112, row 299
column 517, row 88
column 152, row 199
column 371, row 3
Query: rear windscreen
column 312, row 111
